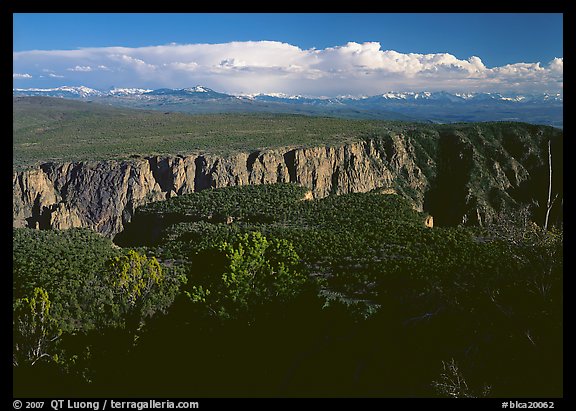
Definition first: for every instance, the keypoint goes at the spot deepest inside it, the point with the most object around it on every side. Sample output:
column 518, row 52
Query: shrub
column 248, row 274
column 35, row 330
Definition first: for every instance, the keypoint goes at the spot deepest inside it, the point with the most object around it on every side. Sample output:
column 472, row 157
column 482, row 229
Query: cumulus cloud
column 557, row 65
column 80, row 68
column 270, row 66
column 21, row 75
column 88, row 68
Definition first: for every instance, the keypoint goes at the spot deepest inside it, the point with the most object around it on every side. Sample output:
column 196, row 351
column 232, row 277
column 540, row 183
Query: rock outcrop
column 455, row 177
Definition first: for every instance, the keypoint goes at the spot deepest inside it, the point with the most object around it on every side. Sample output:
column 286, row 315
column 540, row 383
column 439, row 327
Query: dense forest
column 256, row 291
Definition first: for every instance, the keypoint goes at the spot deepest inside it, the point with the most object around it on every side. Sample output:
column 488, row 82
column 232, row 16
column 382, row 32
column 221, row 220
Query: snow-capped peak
column 391, row 95
column 465, row 96
column 423, row 95
column 80, row 91
column 198, row 89
column 281, row 95
column 352, row 97
column 388, row 97
column 515, row 98
column 128, row 91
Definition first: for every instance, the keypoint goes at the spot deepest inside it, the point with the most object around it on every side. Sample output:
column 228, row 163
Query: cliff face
column 103, row 195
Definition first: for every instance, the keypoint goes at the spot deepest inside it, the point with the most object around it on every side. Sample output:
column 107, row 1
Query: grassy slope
column 54, row 129
column 50, row 129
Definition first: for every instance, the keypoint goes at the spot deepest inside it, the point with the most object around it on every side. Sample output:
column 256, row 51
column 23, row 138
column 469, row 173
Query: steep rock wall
column 103, row 195
column 458, row 175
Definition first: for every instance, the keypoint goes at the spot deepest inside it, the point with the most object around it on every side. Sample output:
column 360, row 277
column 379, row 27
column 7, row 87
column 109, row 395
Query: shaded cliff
column 458, row 173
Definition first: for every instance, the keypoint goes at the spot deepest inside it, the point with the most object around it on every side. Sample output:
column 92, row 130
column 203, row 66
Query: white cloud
column 557, row 65
column 86, row 69
column 269, row 66
column 21, row 75
column 80, row 68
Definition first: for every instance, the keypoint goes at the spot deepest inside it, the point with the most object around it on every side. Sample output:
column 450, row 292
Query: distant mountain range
column 437, row 107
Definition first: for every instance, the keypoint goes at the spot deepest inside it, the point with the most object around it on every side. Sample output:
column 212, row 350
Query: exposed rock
column 308, row 196
column 61, row 216
column 103, row 195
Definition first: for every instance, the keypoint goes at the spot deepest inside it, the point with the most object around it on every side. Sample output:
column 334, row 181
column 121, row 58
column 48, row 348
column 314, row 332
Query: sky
column 318, row 54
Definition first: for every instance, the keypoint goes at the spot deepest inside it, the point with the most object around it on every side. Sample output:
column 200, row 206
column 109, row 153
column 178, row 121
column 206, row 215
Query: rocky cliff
column 457, row 175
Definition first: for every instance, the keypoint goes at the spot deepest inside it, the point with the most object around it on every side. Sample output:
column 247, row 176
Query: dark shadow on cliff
column 446, row 199
column 145, row 229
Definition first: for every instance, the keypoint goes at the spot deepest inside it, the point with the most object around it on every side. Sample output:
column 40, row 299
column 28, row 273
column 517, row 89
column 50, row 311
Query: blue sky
column 507, row 51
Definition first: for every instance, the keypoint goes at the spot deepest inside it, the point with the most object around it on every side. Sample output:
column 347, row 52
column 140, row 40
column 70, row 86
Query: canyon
column 457, row 174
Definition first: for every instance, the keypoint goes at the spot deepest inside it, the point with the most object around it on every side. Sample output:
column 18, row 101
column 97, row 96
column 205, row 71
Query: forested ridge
column 161, row 254
column 265, row 291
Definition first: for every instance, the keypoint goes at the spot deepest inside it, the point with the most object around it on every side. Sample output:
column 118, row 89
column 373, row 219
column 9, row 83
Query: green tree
column 35, row 330
column 134, row 279
column 253, row 271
